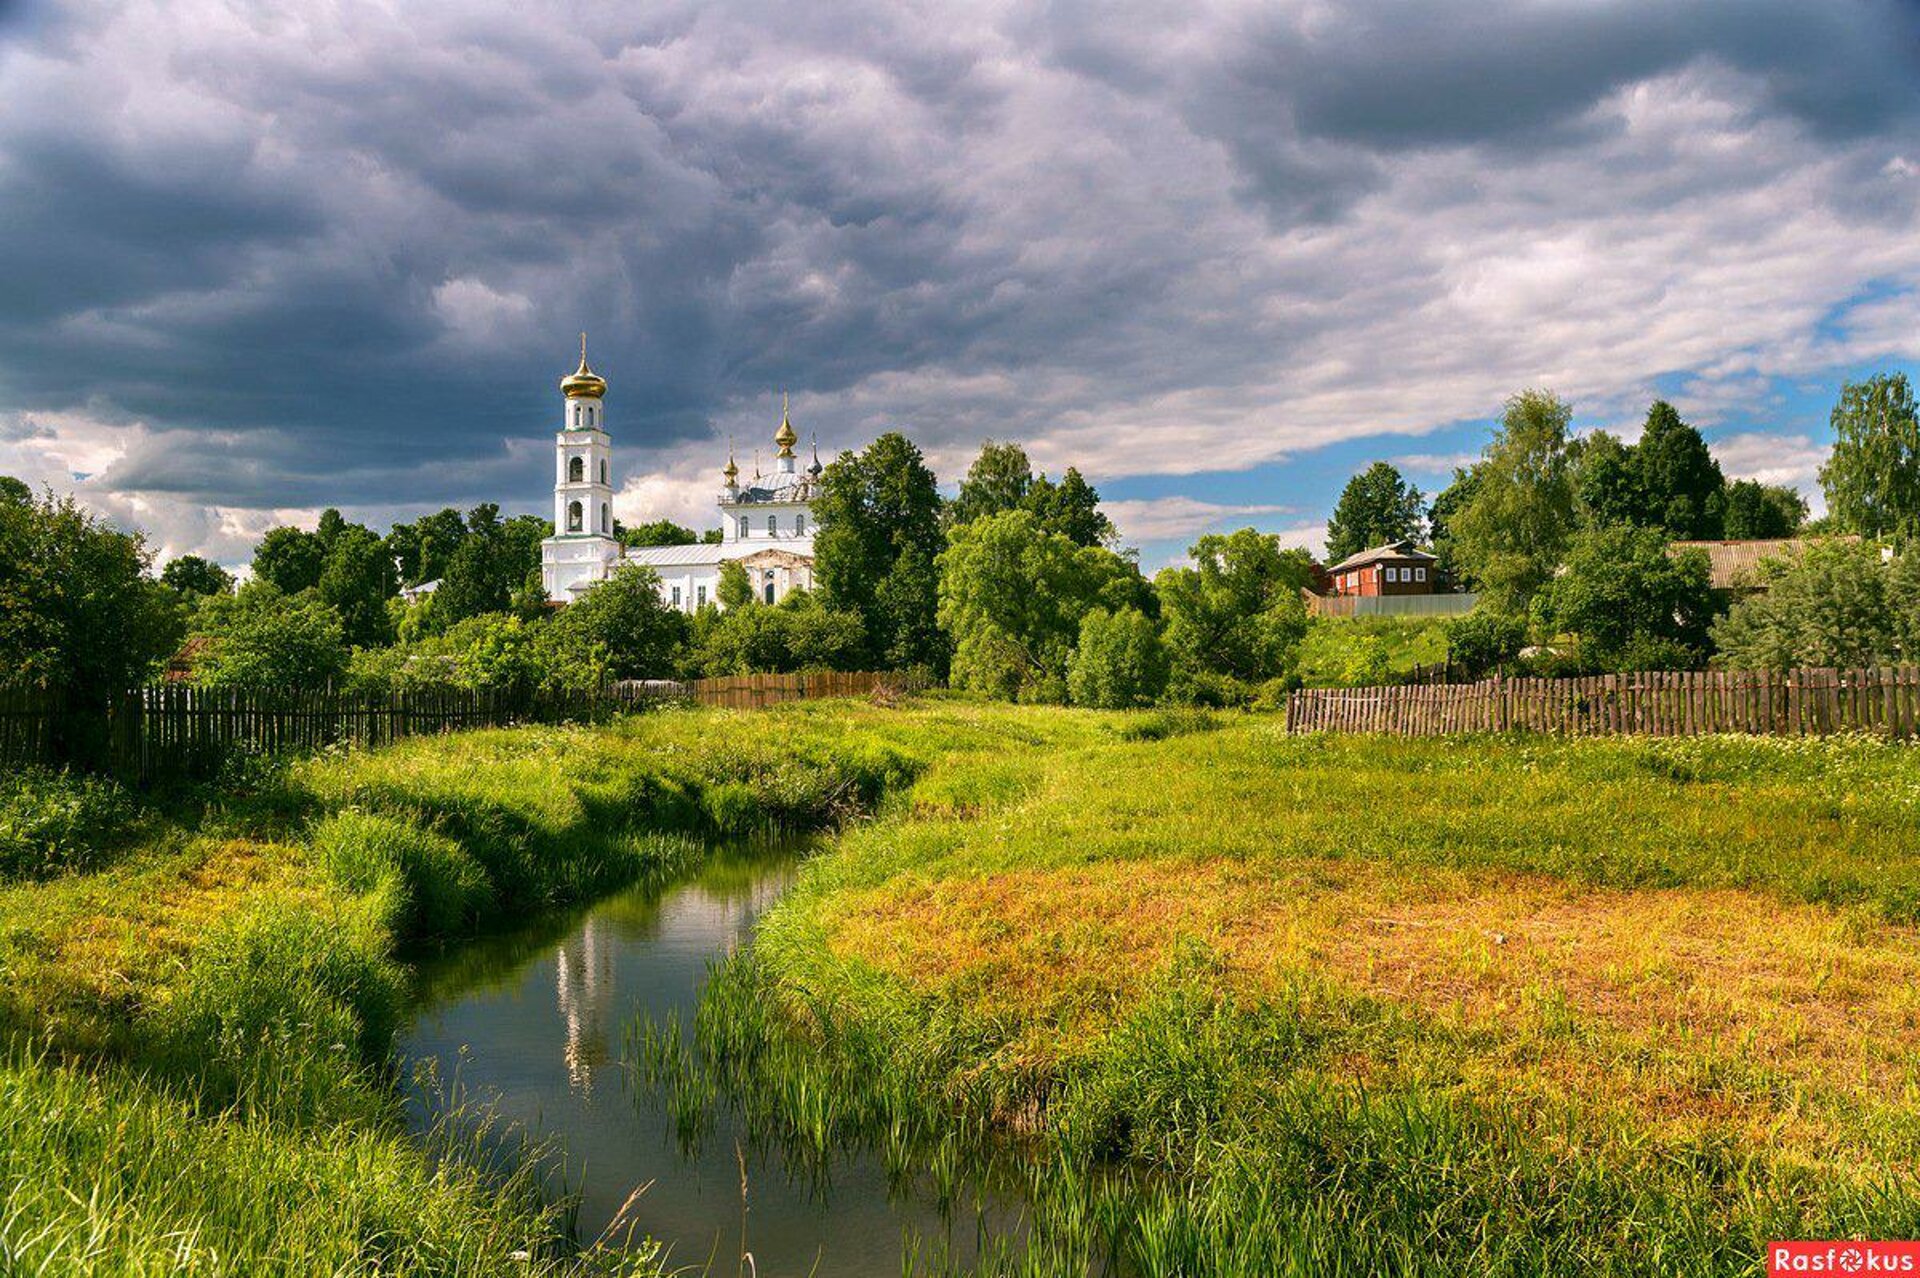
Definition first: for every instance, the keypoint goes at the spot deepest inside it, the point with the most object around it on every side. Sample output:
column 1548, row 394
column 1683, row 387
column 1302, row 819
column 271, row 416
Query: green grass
column 1241, row 1003
column 196, row 1012
column 1353, row 652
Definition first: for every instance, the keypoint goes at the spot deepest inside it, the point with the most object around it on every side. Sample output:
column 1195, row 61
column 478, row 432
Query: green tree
column 1377, row 506
column 490, row 565
column 1606, row 482
column 289, row 560
column 262, row 637
column 1836, row 603
column 659, row 532
column 1679, row 483
column 998, row 481
column 1012, row 596
column 1234, row 619
column 358, row 578
column 795, row 634
column 1072, row 509
column 77, row 609
column 1872, row 477
column 1630, row 601
column 1762, row 511
column 622, row 622
column 423, row 549
column 735, row 588
column 1453, row 499
column 14, row 492
column 879, row 531
column 1509, row 538
column 1118, row 662
column 193, row 576
column 1484, row 641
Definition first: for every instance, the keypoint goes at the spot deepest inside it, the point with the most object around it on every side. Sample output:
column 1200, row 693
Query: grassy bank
column 197, row 997
column 1249, row 1004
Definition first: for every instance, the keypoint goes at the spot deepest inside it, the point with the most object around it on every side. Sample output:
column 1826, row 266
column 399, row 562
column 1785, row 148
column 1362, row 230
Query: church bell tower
column 582, row 549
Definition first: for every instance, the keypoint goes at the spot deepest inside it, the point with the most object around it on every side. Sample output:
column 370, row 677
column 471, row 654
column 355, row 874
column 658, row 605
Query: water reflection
column 532, row 1023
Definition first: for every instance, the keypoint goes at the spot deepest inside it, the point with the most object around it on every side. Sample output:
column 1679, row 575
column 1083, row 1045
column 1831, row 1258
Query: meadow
column 198, row 993
column 1222, row 1000
column 1237, row 1003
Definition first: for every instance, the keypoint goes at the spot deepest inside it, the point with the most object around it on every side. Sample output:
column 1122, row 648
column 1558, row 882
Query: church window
column 606, row 518
column 676, row 596
column 573, row 516
column 769, row 585
column 743, row 525
column 773, row 525
column 576, row 470
column 603, row 470
column 799, row 525
column 700, row 594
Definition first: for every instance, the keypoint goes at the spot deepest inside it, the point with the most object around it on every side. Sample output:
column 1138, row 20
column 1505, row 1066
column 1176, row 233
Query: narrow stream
column 530, row 1024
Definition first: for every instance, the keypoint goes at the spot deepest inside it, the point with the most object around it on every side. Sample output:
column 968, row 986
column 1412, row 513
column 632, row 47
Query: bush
column 263, row 638
column 1485, row 640
column 1119, row 662
column 436, row 888
column 53, row 822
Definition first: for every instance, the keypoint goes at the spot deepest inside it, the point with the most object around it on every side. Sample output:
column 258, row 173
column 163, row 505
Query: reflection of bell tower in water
column 583, row 986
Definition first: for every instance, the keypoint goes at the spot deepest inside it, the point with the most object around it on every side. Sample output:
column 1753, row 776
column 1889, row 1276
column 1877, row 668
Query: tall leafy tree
column 1012, row 596
column 1757, row 511
column 1071, row 508
column 290, row 559
column 1835, row 603
column 1872, row 478
column 1680, row 485
column 357, row 578
column 1119, row 661
column 194, row 576
column 1606, row 482
column 658, row 532
column 878, row 517
column 14, row 492
column 1234, row 618
column 1510, row 536
column 77, row 609
column 490, row 566
column 1377, row 506
column 1631, row 603
column 423, row 549
column 1451, row 500
column 998, row 480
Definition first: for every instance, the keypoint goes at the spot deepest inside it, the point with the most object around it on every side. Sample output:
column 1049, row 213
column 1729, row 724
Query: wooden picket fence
column 1809, row 702
column 756, row 692
column 169, row 730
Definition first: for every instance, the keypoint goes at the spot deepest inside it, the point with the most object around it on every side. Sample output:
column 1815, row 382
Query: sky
column 261, row 259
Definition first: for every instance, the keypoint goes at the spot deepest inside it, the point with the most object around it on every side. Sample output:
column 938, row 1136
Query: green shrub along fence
column 1810, row 702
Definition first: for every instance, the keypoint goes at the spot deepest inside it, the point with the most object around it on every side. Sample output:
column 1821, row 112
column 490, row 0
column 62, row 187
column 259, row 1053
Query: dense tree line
column 1015, row 587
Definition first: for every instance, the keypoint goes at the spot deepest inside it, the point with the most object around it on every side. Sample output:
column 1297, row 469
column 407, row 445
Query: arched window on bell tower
column 573, row 516
column 576, row 470
column 606, row 518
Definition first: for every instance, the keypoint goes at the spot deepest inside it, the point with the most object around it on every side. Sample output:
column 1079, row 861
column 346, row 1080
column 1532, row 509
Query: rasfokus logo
column 1843, row 1257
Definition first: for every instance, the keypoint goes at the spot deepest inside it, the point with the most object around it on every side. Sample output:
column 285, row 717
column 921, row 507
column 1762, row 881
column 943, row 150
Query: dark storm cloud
column 338, row 255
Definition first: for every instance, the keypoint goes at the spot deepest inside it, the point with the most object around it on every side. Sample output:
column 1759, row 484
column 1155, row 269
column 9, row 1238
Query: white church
column 766, row 525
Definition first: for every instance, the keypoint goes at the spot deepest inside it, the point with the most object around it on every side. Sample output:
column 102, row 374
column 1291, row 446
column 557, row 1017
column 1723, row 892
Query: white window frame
column 1393, row 574
column 676, row 596
column 1420, row 574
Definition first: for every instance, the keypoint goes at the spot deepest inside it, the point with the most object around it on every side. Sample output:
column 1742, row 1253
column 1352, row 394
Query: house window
column 573, row 516
column 1419, row 574
column 576, row 470
column 1393, row 574
column 676, row 596
column 773, row 525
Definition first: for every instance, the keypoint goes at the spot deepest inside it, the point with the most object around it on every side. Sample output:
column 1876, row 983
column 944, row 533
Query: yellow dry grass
column 1684, row 1010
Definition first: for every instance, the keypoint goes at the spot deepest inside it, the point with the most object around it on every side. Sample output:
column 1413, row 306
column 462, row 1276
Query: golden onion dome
column 785, row 436
column 583, row 382
column 732, row 472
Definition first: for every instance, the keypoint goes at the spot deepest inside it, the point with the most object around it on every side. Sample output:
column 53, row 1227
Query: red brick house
column 1393, row 569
